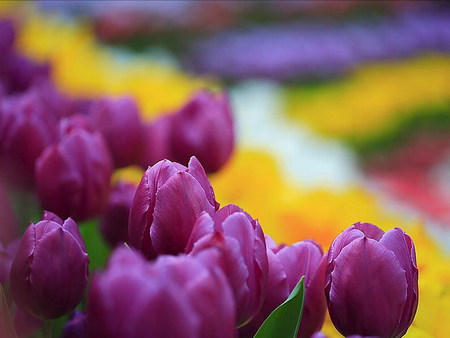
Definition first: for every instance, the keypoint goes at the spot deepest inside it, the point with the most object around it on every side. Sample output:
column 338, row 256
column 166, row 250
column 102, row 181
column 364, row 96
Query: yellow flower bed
column 373, row 97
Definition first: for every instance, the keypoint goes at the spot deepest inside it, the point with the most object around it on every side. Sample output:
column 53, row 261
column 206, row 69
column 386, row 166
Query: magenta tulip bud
column 371, row 281
column 76, row 326
column 50, row 270
column 114, row 223
column 167, row 203
column 26, row 129
column 242, row 255
column 119, row 122
column 172, row 297
column 287, row 264
column 73, row 176
column 204, row 128
column 156, row 141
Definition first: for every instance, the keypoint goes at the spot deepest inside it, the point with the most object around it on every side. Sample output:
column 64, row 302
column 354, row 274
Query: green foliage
column 284, row 321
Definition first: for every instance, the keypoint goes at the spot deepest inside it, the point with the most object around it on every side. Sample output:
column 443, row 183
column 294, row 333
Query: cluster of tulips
column 181, row 265
column 193, row 269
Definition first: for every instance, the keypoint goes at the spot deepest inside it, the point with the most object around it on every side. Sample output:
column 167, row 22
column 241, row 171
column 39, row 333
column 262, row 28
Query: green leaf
column 96, row 247
column 284, row 321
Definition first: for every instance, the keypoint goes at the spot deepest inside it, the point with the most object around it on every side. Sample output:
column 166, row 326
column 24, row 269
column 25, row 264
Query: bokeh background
column 342, row 108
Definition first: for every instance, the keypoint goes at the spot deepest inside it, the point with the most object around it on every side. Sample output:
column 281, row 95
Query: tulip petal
column 403, row 248
column 70, row 262
column 196, row 170
column 203, row 226
column 367, row 283
column 179, row 202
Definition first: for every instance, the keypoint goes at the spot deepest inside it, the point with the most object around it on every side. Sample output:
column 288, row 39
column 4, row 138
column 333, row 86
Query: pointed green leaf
column 284, row 321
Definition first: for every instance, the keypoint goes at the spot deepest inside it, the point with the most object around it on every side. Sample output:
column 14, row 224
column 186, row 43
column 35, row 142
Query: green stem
column 47, row 329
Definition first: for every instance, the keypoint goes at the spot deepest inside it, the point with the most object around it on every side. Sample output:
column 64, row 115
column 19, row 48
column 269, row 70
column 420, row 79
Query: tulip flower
column 50, row 270
column 287, row 264
column 26, row 129
column 156, row 141
column 239, row 241
column 76, row 326
column 119, row 123
column 204, row 128
column 167, row 203
column 73, row 176
column 175, row 297
column 114, row 223
column 371, row 281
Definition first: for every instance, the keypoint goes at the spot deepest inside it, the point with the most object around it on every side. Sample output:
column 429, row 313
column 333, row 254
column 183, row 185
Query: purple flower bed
column 311, row 50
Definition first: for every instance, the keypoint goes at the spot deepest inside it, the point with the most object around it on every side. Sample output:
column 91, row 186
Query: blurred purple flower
column 73, row 176
column 175, row 297
column 119, row 122
column 203, row 128
column 114, row 222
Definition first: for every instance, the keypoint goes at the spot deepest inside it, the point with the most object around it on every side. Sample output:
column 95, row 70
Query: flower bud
column 119, row 123
column 204, row 128
column 156, row 141
column 26, row 129
column 371, row 281
column 73, row 176
column 287, row 264
column 76, row 326
column 172, row 297
column 239, row 241
column 167, row 203
column 114, row 223
column 50, row 270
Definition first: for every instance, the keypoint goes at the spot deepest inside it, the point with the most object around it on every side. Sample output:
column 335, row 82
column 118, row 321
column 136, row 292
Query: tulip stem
column 47, row 329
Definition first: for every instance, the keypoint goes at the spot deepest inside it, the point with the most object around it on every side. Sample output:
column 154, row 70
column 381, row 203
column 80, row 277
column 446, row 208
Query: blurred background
column 342, row 108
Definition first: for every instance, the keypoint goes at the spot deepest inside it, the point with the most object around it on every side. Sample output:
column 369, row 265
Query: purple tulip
column 7, row 37
column 287, row 264
column 171, row 297
column 76, row 326
column 239, row 241
column 167, row 203
column 204, row 128
column 119, row 122
column 156, row 141
column 73, row 176
column 50, row 270
column 26, row 128
column 371, row 281
column 114, row 223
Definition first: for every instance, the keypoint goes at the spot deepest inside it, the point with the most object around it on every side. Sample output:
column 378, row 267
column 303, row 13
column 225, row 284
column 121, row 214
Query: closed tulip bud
column 204, row 128
column 119, row 123
column 26, row 129
column 242, row 255
column 175, row 297
column 76, row 326
column 156, row 141
column 287, row 264
column 73, row 176
column 167, row 203
column 114, row 223
column 371, row 281
column 50, row 270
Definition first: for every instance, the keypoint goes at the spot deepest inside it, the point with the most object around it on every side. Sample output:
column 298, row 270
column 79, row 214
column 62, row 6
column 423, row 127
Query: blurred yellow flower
column 374, row 98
